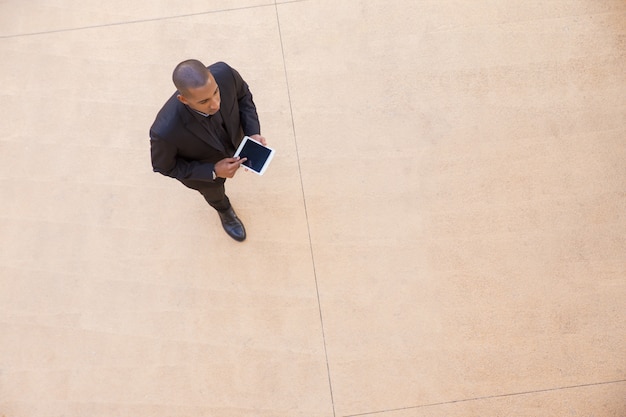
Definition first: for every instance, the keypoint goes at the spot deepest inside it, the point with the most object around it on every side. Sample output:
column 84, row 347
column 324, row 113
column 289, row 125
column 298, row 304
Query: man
column 198, row 130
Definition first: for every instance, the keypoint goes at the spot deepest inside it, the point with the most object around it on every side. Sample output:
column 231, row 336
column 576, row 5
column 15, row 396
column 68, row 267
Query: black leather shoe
column 232, row 224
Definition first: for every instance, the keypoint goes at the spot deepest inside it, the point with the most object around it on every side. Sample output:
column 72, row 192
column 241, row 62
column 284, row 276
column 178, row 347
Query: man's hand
column 259, row 138
column 227, row 167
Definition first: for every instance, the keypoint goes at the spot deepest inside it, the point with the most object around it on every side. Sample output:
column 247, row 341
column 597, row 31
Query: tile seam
column 312, row 253
column 488, row 397
column 132, row 22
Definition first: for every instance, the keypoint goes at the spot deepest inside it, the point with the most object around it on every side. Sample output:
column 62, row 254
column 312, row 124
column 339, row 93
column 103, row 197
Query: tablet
column 259, row 156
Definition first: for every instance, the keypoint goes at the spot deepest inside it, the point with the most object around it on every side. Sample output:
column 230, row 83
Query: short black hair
column 190, row 74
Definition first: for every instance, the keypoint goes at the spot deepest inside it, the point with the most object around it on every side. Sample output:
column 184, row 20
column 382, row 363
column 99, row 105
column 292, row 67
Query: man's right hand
column 227, row 167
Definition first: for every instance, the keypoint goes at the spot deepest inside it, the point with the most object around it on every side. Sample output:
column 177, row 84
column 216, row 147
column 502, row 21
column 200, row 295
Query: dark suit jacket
column 180, row 146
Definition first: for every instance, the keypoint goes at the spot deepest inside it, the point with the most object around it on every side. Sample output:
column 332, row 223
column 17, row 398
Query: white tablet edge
column 267, row 161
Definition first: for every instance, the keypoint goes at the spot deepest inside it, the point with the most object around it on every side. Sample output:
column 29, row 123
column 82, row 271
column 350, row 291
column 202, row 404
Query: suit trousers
column 213, row 192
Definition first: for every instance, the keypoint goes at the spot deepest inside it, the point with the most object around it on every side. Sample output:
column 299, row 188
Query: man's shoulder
column 169, row 118
column 220, row 67
column 222, row 72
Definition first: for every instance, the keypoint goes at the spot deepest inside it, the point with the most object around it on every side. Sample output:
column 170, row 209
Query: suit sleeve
column 165, row 161
column 248, row 116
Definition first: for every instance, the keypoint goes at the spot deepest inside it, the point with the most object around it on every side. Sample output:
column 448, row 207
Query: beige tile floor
column 442, row 232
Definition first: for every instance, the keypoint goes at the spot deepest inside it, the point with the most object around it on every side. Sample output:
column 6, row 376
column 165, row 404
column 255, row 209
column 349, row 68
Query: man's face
column 205, row 99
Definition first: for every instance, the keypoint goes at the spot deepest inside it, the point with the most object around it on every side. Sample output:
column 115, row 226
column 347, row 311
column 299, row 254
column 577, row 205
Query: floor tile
column 459, row 204
column 121, row 294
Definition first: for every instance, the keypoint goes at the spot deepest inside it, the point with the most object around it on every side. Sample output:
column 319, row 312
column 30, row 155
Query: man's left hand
column 259, row 138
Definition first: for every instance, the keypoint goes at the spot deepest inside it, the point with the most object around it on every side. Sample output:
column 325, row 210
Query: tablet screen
column 256, row 154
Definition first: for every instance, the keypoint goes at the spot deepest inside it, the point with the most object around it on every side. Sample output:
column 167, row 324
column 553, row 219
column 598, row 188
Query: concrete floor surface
column 441, row 233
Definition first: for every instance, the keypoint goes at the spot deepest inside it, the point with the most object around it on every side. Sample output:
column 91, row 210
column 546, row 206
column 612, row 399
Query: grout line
column 488, row 397
column 155, row 19
column 132, row 22
column 306, row 214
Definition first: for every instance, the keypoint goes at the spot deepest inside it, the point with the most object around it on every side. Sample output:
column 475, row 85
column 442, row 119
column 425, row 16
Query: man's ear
column 182, row 99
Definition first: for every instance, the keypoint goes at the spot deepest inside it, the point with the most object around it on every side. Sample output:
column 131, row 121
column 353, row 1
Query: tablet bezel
column 267, row 161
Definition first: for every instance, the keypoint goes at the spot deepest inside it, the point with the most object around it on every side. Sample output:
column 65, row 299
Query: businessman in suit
column 198, row 130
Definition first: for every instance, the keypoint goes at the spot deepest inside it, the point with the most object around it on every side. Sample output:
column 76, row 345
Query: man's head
column 196, row 86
